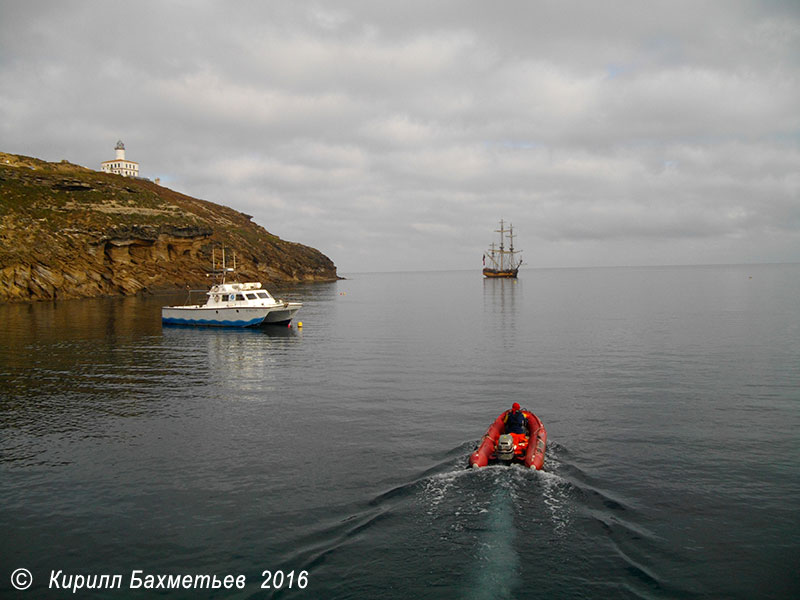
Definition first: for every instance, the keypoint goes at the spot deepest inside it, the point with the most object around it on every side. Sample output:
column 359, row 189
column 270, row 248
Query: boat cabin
column 239, row 294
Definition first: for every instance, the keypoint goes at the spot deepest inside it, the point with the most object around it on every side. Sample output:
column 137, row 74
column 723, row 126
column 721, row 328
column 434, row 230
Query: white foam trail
column 437, row 487
column 553, row 492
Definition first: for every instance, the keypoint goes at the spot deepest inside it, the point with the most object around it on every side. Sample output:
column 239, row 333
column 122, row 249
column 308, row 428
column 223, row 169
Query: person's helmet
column 515, row 406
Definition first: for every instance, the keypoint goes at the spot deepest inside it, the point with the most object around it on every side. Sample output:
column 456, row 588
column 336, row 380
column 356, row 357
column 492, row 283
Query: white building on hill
column 120, row 166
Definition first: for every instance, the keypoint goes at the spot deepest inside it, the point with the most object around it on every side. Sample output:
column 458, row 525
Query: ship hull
column 506, row 274
column 201, row 316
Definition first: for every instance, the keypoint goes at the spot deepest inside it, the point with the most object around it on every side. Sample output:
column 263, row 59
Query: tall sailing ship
column 501, row 261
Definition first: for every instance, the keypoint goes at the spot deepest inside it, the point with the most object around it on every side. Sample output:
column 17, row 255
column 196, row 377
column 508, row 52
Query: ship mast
column 511, row 251
column 506, row 261
column 501, row 231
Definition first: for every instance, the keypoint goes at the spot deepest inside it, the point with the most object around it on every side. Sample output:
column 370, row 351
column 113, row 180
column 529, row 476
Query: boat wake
column 477, row 529
column 483, row 512
column 495, row 566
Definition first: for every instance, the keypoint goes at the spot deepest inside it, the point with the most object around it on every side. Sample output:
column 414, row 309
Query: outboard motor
column 505, row 447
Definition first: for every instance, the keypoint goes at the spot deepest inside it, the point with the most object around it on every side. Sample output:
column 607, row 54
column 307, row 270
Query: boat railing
column 189, row 293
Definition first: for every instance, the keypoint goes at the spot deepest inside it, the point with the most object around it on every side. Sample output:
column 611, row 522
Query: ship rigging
column 502, row 262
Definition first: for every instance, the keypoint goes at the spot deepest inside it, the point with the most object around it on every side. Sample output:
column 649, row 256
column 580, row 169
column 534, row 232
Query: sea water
column 331, row 459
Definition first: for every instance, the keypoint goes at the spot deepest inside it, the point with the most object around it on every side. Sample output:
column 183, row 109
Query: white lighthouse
column 120, row 166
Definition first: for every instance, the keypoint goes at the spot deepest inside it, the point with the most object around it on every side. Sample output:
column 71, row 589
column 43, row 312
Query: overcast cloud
column 394, row 135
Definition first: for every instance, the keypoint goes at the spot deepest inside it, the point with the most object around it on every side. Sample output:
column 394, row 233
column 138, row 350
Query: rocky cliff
column 70, row 232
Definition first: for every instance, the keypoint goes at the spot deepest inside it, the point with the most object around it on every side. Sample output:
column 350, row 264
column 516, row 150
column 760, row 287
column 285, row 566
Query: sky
column 393, row 136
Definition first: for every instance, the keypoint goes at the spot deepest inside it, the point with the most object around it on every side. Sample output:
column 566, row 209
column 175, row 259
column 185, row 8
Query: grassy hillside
column 67, row 231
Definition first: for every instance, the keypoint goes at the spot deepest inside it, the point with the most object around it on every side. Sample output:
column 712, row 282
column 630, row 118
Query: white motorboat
column 233, row 305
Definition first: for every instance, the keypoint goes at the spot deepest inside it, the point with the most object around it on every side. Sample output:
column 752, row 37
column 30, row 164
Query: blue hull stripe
column 213, row 322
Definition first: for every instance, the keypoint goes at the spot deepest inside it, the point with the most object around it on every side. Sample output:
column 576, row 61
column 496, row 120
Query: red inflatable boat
column 497, row 446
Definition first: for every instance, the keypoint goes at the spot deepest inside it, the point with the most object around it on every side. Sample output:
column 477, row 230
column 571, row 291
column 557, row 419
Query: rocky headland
column 70, row 232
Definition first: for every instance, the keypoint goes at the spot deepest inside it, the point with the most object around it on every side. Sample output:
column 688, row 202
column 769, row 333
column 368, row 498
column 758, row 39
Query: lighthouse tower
column 120, row 166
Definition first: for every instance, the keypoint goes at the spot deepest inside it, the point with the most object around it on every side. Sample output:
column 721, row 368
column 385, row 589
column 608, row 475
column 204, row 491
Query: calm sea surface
column 671, row 397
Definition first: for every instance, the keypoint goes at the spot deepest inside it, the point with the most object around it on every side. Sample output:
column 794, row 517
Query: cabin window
column 239, row 297
column 264, row 295
column 251, row 296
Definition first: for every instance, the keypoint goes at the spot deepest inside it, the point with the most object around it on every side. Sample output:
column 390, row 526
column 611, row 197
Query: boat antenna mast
column 221, row 272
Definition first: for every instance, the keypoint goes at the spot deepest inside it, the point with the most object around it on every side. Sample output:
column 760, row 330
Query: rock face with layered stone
column 70, row 232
